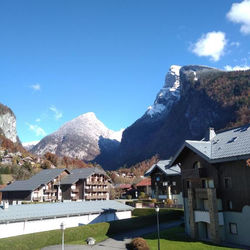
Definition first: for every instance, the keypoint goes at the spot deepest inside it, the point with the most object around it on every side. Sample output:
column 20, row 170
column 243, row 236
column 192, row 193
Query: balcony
column 201, row 216
column 201, row 193
column 75, row 190
column 91, row 190
column 95, row 197
column 204, row 216
column 50, row 191
column 37, row 198
column 95, row 182
column 194, row 173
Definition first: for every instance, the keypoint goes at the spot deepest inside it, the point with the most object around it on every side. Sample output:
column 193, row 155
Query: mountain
column 192, row 99
column 8, row 123
column 29, row 145
column 84, row 137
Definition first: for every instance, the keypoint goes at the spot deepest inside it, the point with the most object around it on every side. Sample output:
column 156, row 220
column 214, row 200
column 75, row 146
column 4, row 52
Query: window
column 197, row 165
column 233, row 228
column 188, row 184
column 174, row 183
column 229, row 205
column 227, row 182
column 204, row 183
column 211, row 183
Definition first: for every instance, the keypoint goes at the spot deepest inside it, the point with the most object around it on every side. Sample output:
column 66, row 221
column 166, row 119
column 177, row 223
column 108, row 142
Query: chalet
column 32, row 218
column 216, row 189
column 166, row 182
column 85, row 184
column 144, row 186
column 43, row 186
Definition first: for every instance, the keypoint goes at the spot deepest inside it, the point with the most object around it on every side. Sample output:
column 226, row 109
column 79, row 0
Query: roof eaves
column 227, row 159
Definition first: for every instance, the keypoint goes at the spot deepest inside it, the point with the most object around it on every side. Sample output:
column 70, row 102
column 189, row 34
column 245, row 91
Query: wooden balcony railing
column 50, row 191
column 91, row 190
column 37, row 198
column 97, row 183
column 194, row 173
column 201, row 193
column 76, row 190
column 95, row 197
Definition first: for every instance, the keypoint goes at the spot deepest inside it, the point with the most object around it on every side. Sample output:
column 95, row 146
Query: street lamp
column 62, row 228
column 157, row 209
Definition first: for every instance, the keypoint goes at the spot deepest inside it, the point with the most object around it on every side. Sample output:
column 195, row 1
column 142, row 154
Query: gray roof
column 230, row 145
column 80, row 173
column 50, row 210
column 41, row 178
column 165, row 167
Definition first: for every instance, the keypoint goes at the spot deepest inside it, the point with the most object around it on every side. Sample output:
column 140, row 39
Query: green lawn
column 78, row 235
column 175, row 239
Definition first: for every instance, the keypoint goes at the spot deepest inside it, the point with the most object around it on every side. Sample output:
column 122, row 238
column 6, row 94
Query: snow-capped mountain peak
column 169, row 94
column 81, row 137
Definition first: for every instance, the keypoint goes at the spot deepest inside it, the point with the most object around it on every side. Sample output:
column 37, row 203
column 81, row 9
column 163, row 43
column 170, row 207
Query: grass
column 175, row 239
column 78, row 235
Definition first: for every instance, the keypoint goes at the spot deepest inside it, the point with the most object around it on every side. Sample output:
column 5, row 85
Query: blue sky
column 60, row 59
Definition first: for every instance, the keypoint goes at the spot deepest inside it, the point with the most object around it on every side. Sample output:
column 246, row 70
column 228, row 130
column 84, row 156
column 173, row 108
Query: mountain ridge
column 79, row 138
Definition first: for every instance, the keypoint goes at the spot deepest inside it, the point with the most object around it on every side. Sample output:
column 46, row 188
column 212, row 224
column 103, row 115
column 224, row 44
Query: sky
column 62, row 58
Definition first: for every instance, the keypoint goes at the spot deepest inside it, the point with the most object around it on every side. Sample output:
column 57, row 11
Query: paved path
column 118, row 241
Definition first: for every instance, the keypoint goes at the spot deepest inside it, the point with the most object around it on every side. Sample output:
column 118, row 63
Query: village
column 208, row 179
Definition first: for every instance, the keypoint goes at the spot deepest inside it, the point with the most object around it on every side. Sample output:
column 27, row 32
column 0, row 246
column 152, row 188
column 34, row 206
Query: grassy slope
column 175, row 239
column 78, row 235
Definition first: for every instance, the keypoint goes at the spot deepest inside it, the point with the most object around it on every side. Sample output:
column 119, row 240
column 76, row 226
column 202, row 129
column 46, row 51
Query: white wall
column 19, row 228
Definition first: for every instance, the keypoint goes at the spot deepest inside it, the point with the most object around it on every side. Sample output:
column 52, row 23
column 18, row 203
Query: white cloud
column 36, row 87
column 236, row 68
column 38, row 130
column 38, row 120
column 57, row 113
column 211, row 45
column 240, row 13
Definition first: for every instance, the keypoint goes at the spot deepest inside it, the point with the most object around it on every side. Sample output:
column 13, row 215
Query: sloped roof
column 51, row 210
column 80, row 173
column 233, row 144
column 144, row 182
column 165, row 167
column 41, row 178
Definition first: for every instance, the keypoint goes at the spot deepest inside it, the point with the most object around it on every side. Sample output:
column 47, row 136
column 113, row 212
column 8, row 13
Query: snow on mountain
column 29, row 145
column 168, row 95
column 82, row 137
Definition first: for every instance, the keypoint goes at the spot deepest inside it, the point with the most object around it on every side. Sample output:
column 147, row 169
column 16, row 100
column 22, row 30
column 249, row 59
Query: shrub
column 129, row 197
column 169, row 202
column 154, row 200
column 139, row 244
column 142, row 195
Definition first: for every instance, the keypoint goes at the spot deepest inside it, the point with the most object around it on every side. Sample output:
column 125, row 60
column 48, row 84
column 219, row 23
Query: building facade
column 85, row 184
column 166, row 182
column 42, row 187
column 216, row 189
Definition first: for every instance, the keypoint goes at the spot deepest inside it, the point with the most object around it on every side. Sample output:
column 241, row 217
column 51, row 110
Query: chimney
column 212, row 134
column 5, row 205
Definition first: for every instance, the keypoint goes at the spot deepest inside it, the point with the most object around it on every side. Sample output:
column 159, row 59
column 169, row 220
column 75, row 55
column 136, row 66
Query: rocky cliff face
column 192, row 99
column 85, row 137
column 8, row 123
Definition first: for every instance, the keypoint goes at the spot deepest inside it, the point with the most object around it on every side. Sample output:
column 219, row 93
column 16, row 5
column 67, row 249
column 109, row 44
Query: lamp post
column 157, row 209
column 62, row 228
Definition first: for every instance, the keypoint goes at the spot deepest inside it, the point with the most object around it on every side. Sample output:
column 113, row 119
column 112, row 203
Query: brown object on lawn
column 139, row 244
